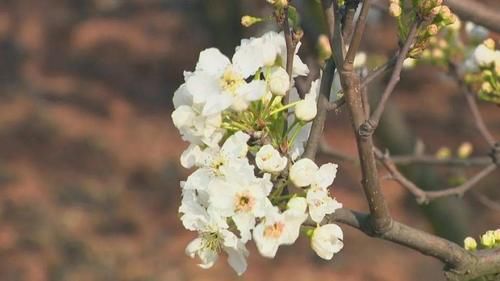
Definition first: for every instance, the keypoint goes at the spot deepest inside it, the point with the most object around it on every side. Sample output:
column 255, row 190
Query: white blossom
column 483, row 55
column 327, row 240
column 212, row 240
column 303, row 172
column 279, row 81
column 268, row 159
column 243, row 197
column 320, row 204
column 476, row 32
column 219, row 84
column 277, row 229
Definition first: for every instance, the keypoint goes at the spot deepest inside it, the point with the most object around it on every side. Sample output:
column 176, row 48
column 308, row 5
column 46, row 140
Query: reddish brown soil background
column 88, row 155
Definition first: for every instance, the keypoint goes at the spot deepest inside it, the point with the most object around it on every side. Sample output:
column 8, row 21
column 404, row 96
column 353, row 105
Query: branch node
column 495, row 154
column 367, row 128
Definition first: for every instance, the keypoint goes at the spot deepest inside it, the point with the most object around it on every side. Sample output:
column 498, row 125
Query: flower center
column 231, row 80
column 244, row 202
column 274, row 230
column 217, row 164
column 212, row 241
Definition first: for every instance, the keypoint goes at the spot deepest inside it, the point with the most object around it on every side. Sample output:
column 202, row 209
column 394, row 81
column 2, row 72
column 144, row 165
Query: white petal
column 252, row 91
column 202, row 86
column 193, row 247
column 326, row 174
column 217, row 104
column 244, row 222
column 212, row 61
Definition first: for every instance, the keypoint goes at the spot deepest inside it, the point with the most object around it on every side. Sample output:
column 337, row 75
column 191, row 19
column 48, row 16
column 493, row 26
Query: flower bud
column 437, row 53
column 278, row 3
column 324, row 48
column 476, row 32
column 445, row 12
column 489, row 43
column 248, row 21
column 302, row 172
column 279, row 81
column 443, row 153
column 359, row 60
column 326, row 240
column 488, row 239
column 486, row 87
column 465, row 150
column 395, row 10
column 435, row 11
column 497, row 236
column 306, row 109
column 455, row 24
column 409, row 63
column 432, row 29
column 438, row 2
column 470, row 244
column 483, row 54
column 268, row 159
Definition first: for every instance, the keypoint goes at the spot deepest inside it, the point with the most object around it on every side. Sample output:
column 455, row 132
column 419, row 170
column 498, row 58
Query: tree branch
column 485, row 15
column 371, row 124
column 433, row 160
column 423, row 196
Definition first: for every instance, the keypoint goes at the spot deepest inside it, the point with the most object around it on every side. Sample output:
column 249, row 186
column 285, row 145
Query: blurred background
column 89, row 170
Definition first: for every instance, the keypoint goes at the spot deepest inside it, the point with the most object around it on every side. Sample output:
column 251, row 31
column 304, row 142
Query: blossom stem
column 285, row 107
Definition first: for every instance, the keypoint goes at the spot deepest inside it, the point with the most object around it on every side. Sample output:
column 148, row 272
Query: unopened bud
column 409, row 63
column 488, row 239
column 442, row 44
column 456, row 24
column 486, row 87
column 324, row 48
column 437, row 53
column 443, row 153
column 248, row 21
column 435, row 11
column 278, row 3
column 497, row 235
column 432, row 29
column 395, row 10
column 445, row 12
column 489, row 43
column 470, row 244
column 438, row 2
column 465, row 150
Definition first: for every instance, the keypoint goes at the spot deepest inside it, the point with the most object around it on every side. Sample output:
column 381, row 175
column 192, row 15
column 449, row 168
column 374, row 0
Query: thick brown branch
column 448, row 252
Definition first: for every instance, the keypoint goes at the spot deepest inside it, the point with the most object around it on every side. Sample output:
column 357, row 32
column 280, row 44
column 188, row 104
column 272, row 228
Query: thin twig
column 371, row 124
column 478, row 119
column 494, row 205
column 433, row 160
column 357, row 36
column 348, row 21
column 372, row 75
column 423, row 196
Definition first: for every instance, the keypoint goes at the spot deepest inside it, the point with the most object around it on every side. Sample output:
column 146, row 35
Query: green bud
column 248, row 21
column 488, row 239
column 470, row 244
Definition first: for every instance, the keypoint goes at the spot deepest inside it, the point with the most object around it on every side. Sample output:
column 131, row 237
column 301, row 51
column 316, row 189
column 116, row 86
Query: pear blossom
column 219, row 162
column 326, row 240
column 277, row 229
column 303, row 172
column 268, row 50
column 243, row 197
column 211, row 241
column 306, row 109
column 476, row 32
column 268, row 159
column 320, row 204
column 279, row 81
column 219, row 84
column 483, row 55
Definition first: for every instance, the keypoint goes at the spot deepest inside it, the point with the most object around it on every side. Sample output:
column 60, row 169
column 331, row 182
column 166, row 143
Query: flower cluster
column 249, row 182
column 489, row 240
column 483, row 71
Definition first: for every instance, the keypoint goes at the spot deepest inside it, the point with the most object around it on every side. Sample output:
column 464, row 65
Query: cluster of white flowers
column 248, row 181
